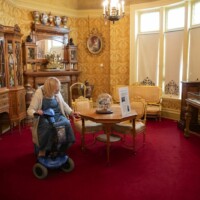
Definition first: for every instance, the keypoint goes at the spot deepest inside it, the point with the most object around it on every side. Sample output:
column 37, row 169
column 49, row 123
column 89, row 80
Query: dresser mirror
column 51, row 52
column 50, row 44
column 45, row 47
column 49, row 40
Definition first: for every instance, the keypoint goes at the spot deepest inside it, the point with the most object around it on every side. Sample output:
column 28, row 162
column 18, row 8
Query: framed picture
column 94, row 44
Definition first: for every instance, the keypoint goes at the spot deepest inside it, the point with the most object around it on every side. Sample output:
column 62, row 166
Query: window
column 148, row 46
column 195, row 13
column 193, row 73
column 194, row 58
column 147, row 60
column 173, row 62
column 149, row 22
column 162, row 47
column 175, row 18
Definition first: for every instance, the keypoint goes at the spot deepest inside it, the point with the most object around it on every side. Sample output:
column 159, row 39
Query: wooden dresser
column 4, row 101
column 47, row 42
column 4, row 107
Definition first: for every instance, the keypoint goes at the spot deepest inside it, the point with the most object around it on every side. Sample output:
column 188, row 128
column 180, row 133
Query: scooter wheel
column 68, row 166
column 40, row 171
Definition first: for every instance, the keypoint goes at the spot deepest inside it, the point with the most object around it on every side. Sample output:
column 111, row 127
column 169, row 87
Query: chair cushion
column 90, row 126
column 126, row 127
column 103, row 138
column 153, row 109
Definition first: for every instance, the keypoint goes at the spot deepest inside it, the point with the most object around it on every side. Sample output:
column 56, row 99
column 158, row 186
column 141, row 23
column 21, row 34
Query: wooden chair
column 76, row 90
column 124, row 128
column 84, row 104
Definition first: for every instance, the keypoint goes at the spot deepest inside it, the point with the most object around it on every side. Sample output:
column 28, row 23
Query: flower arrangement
column 54, row 61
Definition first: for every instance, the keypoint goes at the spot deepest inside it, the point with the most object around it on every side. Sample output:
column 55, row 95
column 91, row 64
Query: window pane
column 173, row 61
column 175, row 18
column 194, row 58
column 149, row 22
column 196, row 13
column 148, row 53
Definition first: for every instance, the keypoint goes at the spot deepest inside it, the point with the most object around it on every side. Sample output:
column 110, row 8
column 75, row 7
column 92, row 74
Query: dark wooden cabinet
column 193, row 86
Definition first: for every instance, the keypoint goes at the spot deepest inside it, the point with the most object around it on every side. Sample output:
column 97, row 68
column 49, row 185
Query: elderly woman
column 47, row 97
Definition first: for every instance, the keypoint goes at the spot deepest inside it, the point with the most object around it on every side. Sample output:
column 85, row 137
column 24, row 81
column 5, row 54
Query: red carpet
column 167, row 168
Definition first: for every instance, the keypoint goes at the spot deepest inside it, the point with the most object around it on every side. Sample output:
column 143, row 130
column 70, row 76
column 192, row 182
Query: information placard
column 124, row 101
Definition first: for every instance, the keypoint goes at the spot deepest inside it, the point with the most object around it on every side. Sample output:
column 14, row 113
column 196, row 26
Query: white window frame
column 192, row 7
column 139, row 19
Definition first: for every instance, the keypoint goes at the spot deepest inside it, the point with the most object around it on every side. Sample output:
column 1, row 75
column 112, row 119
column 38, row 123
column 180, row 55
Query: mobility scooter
column 53, row 159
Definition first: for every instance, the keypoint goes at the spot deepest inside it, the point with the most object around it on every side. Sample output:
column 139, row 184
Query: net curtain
column 194, row 55
column 148, row 52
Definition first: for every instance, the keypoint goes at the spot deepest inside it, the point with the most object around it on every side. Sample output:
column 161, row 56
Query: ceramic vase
column 50, row 19
column 36, row 17
column 64, row 21
column 57, row 20
column 44, row 18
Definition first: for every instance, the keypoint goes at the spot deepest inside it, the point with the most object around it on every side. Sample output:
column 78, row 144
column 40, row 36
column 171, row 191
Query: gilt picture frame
column 94, row 44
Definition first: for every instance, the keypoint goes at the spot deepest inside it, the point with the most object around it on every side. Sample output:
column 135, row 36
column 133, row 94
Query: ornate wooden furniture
column 193, row 106
column 71, row 57
column 192, row 86
column 12, row 92
column 77, row 90
column 66, row 78
column 29, row 56
column 36, row 66
column 108, row 120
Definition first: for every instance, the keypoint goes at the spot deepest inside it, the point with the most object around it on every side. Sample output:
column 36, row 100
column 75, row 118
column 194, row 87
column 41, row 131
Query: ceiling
column 70, row 4
column 97, row 4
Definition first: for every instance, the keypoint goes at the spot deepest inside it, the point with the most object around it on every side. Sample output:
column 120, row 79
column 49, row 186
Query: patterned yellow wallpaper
column 11, row 15
column 109, row 67
column 104, row 70
column 90, row 64
column 119, row 48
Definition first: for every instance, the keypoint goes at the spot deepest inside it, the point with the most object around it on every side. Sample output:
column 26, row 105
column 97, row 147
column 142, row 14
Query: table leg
column 107, row 128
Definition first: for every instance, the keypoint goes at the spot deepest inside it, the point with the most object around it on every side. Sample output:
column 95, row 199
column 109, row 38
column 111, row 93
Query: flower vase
column 57, row 20
column 50, row 19
column 44, row 18
column 36, row 17
column 64, row 21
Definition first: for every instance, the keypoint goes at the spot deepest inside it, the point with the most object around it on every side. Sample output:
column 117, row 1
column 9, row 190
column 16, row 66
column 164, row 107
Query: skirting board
column 170, row 114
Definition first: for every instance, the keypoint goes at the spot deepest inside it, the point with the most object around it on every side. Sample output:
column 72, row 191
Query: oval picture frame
column 95, row 44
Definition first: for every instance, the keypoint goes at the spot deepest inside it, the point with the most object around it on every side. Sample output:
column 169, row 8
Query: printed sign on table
column 124, row 101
